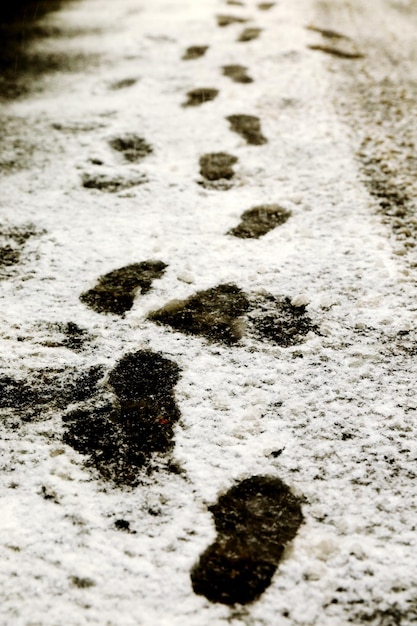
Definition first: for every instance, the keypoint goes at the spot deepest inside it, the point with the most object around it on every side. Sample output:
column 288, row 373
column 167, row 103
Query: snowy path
column 327, row 408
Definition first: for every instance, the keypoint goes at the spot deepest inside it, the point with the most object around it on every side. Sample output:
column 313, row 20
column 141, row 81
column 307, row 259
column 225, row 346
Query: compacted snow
column 255, row 353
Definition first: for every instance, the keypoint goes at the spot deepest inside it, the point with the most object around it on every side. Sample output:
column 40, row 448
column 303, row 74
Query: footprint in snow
column 249, row 34
column 238, row 73
column 132, row 147
column 226, row 20
column 194, row 52
column 254, row 520
column 115, row 292
column 248, row 127
column 112, row 183
column 216, row 168
column 130, row 419
column 260, row 220
column 199, row 96
column 225, row 314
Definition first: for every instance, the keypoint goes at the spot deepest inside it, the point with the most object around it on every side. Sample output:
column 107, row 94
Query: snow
column 356, row 551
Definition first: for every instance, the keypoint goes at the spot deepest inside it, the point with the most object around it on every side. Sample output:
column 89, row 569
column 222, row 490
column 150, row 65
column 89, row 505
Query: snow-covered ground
column 332, row 415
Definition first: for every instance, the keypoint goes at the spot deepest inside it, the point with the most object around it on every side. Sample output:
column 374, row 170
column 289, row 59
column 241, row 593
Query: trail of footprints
column 128, row 424
column 125, row 421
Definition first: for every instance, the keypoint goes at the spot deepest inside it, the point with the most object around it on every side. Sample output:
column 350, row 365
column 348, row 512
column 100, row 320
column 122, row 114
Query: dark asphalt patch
column 254, row 521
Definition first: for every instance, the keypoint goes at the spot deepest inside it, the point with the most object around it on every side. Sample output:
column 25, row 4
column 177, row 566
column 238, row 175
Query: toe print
column 265, row 6
column 199, row 96
column 254, row 521
column 217, row 166
column 248, row 34
column 121, row 434
column 115, row 291
column 213, row 314
column 226, row 20
column 238, row 73
column 194, row 52
column 260, row 220
column 132, row 147
column 249, row 127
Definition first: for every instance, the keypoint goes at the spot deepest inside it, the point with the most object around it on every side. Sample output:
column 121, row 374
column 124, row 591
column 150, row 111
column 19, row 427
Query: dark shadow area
column 27, row 10
column 20, row 26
